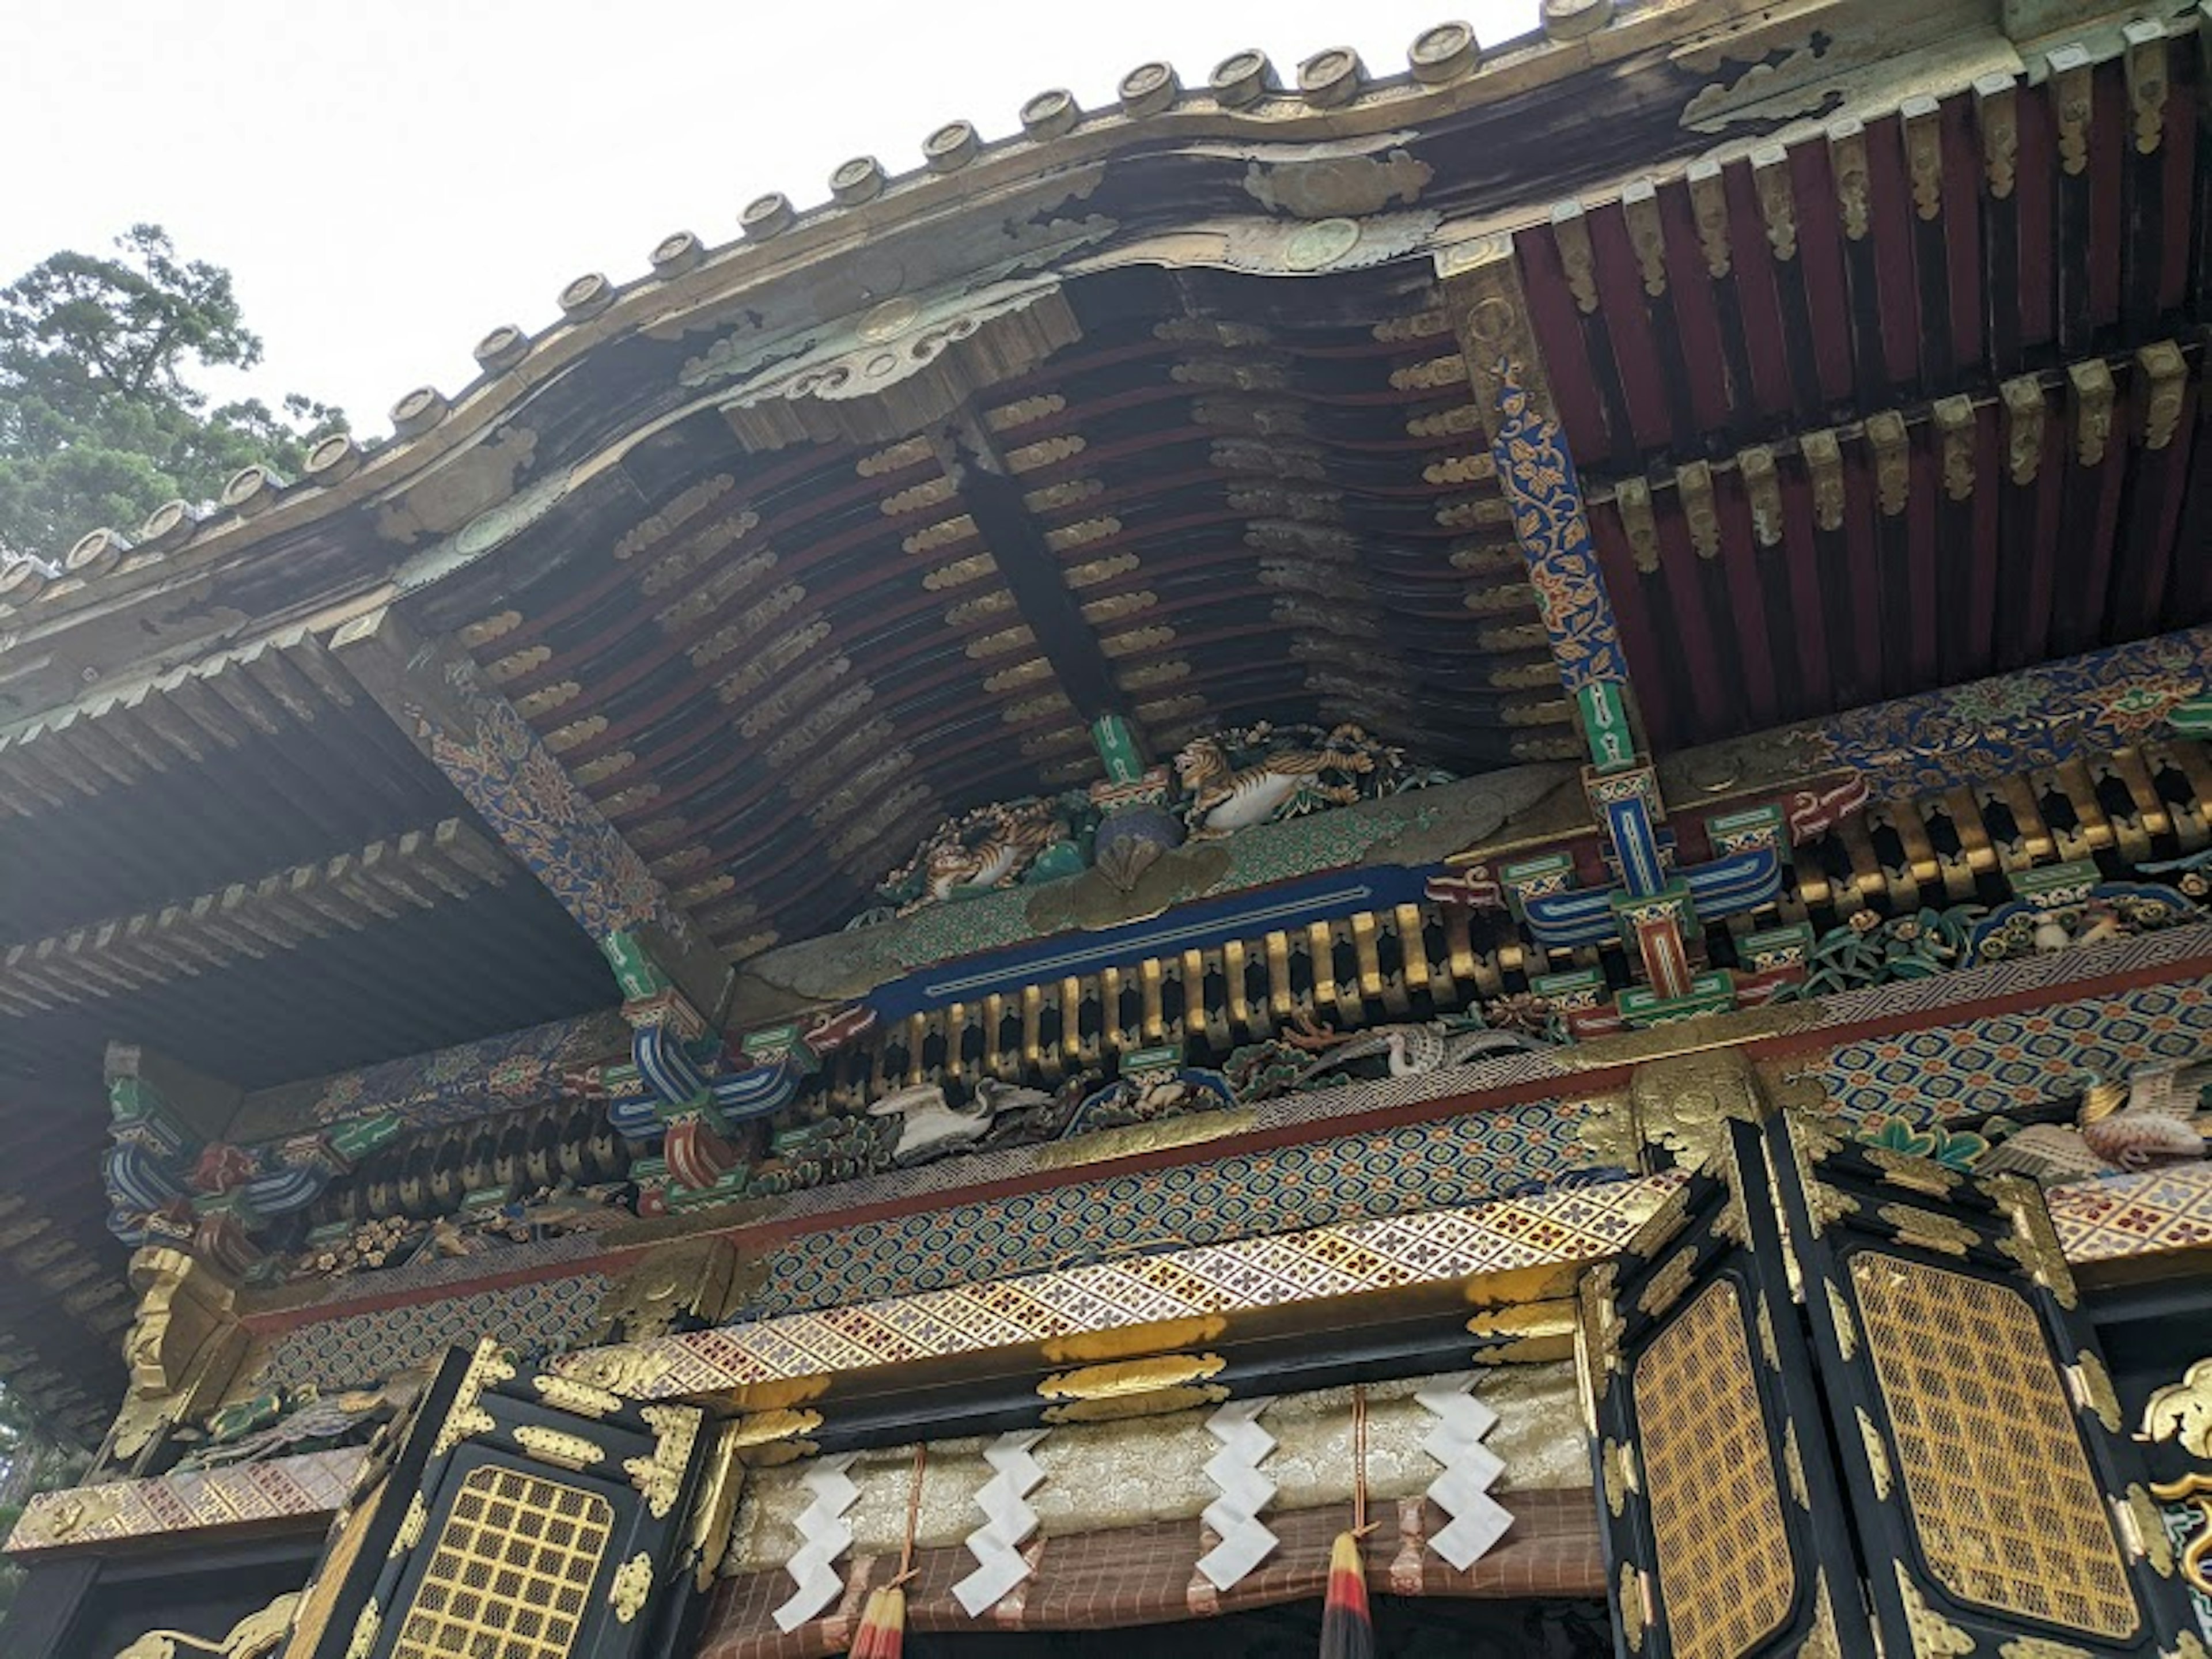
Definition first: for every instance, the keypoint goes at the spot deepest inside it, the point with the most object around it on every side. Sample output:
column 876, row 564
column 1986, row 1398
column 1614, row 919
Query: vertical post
column 1483, row 292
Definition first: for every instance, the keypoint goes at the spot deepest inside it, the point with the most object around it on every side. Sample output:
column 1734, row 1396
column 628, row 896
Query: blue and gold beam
column 1650, row 903
column 1482, row 285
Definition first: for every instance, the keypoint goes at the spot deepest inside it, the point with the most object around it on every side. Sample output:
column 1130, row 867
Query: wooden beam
column 969, row 455
column 350, row 893
column 433, row 692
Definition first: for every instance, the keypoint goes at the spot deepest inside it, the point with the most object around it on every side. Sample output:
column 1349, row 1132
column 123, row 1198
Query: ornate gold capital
column 1683, row 1102
column 694, row 1281
column 2182, row 1412
column 184, row 1346
column 1489, row 309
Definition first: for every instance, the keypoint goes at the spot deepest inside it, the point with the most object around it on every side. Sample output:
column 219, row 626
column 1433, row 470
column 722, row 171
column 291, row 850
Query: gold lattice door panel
column 1720, row 1497
column 2008, row 1515
column 1723, row 1556
column 511, row 1572
column 521, row 1515
column 1990, row 1482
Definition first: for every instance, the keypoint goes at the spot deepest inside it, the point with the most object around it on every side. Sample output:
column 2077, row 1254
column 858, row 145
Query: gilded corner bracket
column 1489, row 309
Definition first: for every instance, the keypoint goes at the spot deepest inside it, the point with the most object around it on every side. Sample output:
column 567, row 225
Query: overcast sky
column 390, row 179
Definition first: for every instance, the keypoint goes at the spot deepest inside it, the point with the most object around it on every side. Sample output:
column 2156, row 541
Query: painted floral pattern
column 542, row 817
column 1539, row 481
column 2006, row 725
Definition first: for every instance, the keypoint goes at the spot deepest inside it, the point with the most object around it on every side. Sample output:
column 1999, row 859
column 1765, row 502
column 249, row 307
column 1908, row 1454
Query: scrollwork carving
column 1777, row 200
column 1708, row 210
column 2165, row 380
column 1893, row 461
column 1631, row 499
column 1762, row 487
column 1647, row 235
column 1824, row 465
column 2147, row 80
column 2071, row 103
column 251, row 1638
column 1954, row 428
column 1693, row 485
column 1997, row 118
column 1922, row 117
column 1847, row 165
column 2091, row 391
column 2024, row 412
column 1577, row 259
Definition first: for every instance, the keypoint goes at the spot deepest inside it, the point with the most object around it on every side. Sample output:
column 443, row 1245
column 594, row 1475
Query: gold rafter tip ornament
column 1572, row 20
column 1444, row 53
column 674, row 254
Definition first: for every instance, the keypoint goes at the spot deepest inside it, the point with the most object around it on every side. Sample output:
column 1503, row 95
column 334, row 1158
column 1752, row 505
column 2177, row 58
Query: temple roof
column 794, row 547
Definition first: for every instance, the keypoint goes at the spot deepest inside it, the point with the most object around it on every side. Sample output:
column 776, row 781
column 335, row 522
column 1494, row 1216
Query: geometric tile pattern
column 2004, row 1063
column 431, row 1270
column 1574, row 1224
column 1976, row 1407
column 1397, row 1171
column 509, row 1571
column 2124, row 1215
column 314, row 1484
column 360, row 1349
column 1300, row 1108
column 2121, row 1215
column 2187, row 944
column 2129, row 1215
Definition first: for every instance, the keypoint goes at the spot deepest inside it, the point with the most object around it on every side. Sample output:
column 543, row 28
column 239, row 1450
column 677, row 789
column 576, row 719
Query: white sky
column 389, row 180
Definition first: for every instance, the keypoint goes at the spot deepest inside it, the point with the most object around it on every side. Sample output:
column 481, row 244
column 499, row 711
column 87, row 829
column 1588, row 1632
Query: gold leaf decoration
column 1934, row 1637
column 1877, row 1455
column 633, row 1584
column 563, row 1451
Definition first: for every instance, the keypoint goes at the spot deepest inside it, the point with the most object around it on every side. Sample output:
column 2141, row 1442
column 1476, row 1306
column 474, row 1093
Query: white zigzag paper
column 1008, row 1521
column 1245, row 1492
column 1462, row 1490
column 825, row 1537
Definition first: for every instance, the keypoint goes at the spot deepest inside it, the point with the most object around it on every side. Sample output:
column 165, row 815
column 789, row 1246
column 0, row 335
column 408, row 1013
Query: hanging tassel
column 882, row 1634
column 1347, row 1628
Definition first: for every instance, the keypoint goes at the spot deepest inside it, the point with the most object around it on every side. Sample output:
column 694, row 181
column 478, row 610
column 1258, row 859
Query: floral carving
column 1540, row 483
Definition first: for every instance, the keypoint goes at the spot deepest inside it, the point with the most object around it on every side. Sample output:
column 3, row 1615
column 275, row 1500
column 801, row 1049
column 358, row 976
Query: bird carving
column 2121, row 1128
column 1415, row 1050
column 931, row 1124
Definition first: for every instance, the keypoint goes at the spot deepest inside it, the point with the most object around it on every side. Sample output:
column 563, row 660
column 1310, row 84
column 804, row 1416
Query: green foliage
column 1955, row 1149
column 99, row 424
column 1872, row 951
column 30, row 1463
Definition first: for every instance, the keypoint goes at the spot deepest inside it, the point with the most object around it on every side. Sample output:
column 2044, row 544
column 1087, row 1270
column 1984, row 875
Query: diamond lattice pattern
column 2009, row 1513
column 1726, row 1575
